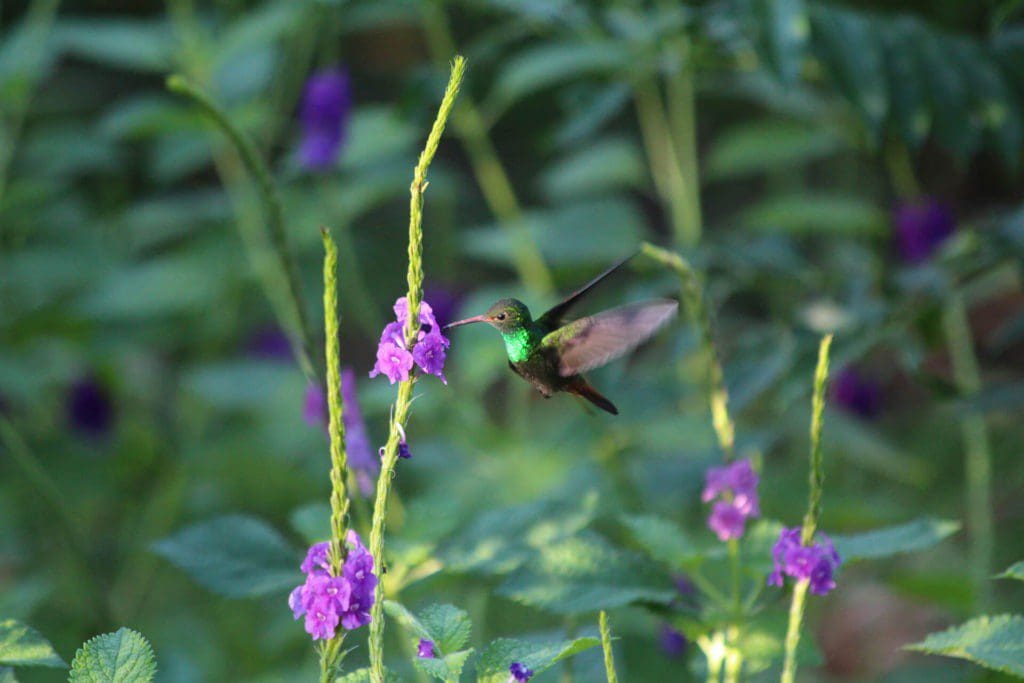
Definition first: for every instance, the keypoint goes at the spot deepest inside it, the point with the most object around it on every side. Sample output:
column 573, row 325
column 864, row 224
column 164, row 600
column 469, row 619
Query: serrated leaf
column 447, row 668
column 663, row 540
column 499, row 655
column 363, row 676
column 993, row 642
column 1014, row 572
column 447, row 626
column 124, row 656
column 585, row 574
column 22, row 645
column 763, row 146
column 917, row 535
column 235, row 556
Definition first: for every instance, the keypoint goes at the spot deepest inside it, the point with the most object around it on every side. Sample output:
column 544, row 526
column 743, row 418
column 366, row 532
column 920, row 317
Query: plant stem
column 490, row 174
column 665, row 171
column 299, row 330
column 683, row 115
column 606, row 645
column 402, row 402
column 977, row 452
column 696, row 308
column 733, row 656
column 817, row 484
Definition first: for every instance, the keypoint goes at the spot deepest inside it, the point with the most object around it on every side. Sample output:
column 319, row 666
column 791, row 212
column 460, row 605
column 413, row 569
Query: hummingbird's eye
column 500, row 316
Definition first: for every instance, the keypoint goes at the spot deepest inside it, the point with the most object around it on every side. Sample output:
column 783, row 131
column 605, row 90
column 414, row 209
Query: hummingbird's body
column 550, row 354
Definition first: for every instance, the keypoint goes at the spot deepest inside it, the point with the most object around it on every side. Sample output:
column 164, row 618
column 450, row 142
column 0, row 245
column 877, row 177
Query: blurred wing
column 598, row 339
column 552, row 318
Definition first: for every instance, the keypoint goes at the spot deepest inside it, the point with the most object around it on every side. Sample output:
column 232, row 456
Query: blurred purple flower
column 519, row 673
column 270, row 343
column 425, row 650
column 357, row 440
column 395, row 361
column 672, row 642
column 856, row 393
column 90, row 410
column 815, row 563
column 445, row 302
column 314, row 407
column 736, row 486
column 326, row 107
column 921, row 227
column 327, row 600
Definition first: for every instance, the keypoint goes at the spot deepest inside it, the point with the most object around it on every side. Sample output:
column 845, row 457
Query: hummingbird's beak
column 474, row 319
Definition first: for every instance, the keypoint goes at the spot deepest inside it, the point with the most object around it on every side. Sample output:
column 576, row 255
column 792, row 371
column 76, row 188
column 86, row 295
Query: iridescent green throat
column 519, row 343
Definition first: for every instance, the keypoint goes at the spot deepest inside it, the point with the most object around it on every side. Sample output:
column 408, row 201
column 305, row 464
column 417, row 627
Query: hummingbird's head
column 504, row 315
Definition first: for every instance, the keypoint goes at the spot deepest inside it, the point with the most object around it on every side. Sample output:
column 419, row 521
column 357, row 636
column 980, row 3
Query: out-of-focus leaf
column 817, row 214
column 995, row 642
column 848, row 44
column 608, row 164
column 131, row 44
column 496, row 658
column 765, row 146
column 22, row 645
column 241, row 384
column 541, row 66
column 992, row 102
column 312, row 522
column 590, row 112
column 663, row 540
column 234, row 556
column 7, row 675
column 904, row 538
column 244, row 75
column 153, row 222
column 786, row 28
column 863, row 446
column 908, row 98
column 499, row 541
column 376, row 133
column 1006, row 398
column 585, row 574
column 950, row 104
column 1014, row 572
column 124, row 656
column 597, row 231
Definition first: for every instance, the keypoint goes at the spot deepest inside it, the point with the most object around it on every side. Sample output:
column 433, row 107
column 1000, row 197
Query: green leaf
column 786, row 29
column 767, row 145
column 234, row 556
column 446, row 668
column 1014, row 572
column 917, row 535
column 585, row 574
column 22, row 645
column 130, row 44
column 7, row 675
column 605, row 165
column 908, row 97
column 993, row 642
column 948, row 95
column 663, row 540
column 542, row 66
column 363, row 676
column 499, row 655
column 121, row 657
column 237, row 384
column 992, row 103
column 447, row 626
column 822, row 214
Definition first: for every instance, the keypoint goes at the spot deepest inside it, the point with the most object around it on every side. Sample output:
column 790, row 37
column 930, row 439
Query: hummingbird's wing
column 598, row 339
column 553, row 318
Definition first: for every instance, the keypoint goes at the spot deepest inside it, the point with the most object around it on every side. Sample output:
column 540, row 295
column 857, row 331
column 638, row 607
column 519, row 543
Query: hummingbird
column 551, row 353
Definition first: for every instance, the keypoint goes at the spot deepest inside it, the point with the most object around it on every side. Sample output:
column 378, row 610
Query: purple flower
column 921, row 228
column 446, row 302
column 815, row 563
column 327, row 600
column 425, row 650
column 314, row 407
column 326, row 105
column 270, row 343
column 428, row 352
column 736, row 486
column 672, row 642
column 89, row 408
column 856, row 394
column 519, row 673
column 357, row 440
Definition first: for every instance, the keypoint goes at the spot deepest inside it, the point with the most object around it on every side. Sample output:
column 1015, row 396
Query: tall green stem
column 810, row 525
column 402, row 402
column 682, row 106
column 977, row 452
column 696, row 308
column 302, row 337
column 490, row 174
column 606, row 645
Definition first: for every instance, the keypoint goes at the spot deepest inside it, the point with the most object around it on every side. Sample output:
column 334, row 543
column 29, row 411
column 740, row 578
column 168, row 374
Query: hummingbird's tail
column 581, row 388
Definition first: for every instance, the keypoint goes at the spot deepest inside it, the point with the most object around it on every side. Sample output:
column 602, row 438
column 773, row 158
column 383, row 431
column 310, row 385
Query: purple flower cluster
column 519, row 673
column 425, row 650
column 395, row 361
column 857, row 394
column 328, row 600
column 815, row 563
column 736, row 486
column 921, row 228
column 326, row 106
